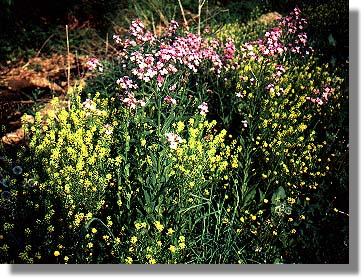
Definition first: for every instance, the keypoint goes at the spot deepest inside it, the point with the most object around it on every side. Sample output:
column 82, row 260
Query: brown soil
column 19, row 82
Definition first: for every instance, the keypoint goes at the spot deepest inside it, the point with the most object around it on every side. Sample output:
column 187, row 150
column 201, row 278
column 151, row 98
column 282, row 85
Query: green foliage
column 226, row 157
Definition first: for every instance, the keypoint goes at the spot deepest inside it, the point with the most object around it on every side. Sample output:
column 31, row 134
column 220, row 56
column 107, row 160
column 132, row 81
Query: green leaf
column 249, row 196
column 279, row 195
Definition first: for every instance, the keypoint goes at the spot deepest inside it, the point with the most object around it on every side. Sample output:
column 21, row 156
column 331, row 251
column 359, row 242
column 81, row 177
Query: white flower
column 204, row 109
column 89, row 104
column 173, row 140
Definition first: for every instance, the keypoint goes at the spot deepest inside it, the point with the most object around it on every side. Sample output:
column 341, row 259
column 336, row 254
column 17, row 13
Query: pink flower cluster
column 150, row 61
column 293, row 25
column 280, row 70
column 131, row 102
column 137, row 30
column 173, row 140
column 191, row 51
column 172, row 28
column 126, row 83
column 145, row 66
column 272, row 45
column 288, row 36
column 321, row 97
column 94, row 63
column 294, row 22
column 129, row 99
column 270, row 87
column 138, row 35
column 229, row 50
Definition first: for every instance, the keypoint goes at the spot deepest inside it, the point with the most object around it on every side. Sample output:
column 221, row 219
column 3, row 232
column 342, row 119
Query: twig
column 68, row 66
column 200, row 5
column 68, row 60
column 182, row 12
column 41, row 48
column 153, row 25
column 107, row 43
column 44, row 44
column 78, row 64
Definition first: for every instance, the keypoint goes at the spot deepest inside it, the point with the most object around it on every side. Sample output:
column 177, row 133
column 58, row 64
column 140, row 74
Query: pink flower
column 322, row 98
column 173, row 87
column 204, row 109
column 137, row 30
column 131, row 102
column 117, row 39
column 229, row 50
column 94, row 63
column 172, row 28
column 270, row 87
column 160, row 80
column 169, row 100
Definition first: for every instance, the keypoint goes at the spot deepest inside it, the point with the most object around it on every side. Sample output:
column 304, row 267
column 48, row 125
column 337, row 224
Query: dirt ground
column 30, row 84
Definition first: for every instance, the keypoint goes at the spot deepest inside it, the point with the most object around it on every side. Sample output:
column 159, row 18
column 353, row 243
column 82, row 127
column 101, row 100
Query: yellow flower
column 172, row 248
column 133, row 239
column 118, row 160
column 66, row 258
column 170, row 231
column 180, row 126
column 182, row 245
column 254, row 217
column 128, row 260
column 159, row 226
column 152, row 261
column 139, row 226
column 90, row 245
column 234, row 164
column 56, row 253
column 93, row 230
column 265, row 201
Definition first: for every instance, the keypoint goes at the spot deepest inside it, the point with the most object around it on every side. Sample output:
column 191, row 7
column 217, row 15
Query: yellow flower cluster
column 203, row 154
column 73, row 145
